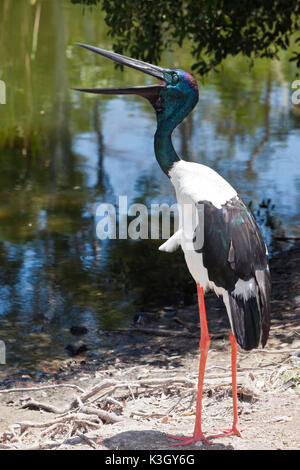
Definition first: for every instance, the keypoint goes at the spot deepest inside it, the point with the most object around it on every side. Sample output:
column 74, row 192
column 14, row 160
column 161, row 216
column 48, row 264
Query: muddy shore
column 164, row 345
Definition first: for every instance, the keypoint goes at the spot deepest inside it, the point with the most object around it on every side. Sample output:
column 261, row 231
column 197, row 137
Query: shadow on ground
column 153, row 440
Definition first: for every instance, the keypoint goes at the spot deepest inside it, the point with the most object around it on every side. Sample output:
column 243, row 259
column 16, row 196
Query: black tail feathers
column 246, row 321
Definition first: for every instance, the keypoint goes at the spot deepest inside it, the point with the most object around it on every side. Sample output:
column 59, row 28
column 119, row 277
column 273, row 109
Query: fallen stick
column 103, row 415
column 87, row 440
column 41, row 446
column 29, row 424
column 166, row 381
column 44, row 387
column 94, row 390
column 270, row 351
column 165, row 332
column 157, row 332
column 35, row 405
column 112, row 386
column 55, row 427
column 114, row 402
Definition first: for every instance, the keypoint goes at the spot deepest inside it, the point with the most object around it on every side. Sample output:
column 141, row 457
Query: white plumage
column 194, row 182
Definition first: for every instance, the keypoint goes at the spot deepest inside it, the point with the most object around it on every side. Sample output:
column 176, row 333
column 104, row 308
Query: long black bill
column 150, row 92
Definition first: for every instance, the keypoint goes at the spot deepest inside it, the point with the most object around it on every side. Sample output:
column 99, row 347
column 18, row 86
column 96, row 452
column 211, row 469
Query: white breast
column 194, row 182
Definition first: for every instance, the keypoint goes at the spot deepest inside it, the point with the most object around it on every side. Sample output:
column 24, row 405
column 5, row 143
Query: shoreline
column 144, row 387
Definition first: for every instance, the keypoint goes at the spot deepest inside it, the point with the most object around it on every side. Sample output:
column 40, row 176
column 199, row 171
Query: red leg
column 204, row 346
column 235, row 427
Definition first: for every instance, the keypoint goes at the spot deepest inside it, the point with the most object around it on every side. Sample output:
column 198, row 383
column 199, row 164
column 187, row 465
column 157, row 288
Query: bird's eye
column 175, row 78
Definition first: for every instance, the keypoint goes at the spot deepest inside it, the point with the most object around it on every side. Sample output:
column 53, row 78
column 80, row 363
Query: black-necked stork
column 232, row 259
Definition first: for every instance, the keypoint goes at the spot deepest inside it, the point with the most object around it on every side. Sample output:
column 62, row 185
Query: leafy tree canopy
column 215, row 28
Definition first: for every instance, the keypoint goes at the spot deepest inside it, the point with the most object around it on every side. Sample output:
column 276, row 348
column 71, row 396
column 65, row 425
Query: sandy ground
column 268, row 384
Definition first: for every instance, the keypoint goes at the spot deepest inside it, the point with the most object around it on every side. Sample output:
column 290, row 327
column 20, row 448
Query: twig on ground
column 105, row 416
column 269, row 351
column 44, row 387
column 165, row 332
column 35, row 405
column 87, row 440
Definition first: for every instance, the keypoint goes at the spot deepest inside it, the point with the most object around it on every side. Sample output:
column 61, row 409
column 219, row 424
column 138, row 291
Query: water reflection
column 62, row 153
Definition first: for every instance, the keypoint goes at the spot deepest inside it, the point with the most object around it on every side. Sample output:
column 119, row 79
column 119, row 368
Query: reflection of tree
column 43, row 200
column 50, row 213
column 60, row 142
column 102, row 179
column 151, row 278
column 249, row 171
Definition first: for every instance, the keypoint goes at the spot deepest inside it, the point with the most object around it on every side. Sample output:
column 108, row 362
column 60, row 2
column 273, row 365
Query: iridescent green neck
column 173, row 104
column 164, row 150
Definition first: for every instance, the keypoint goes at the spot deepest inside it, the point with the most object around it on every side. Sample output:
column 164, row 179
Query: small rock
column 199, row 444
column 76, row 348
column 296, row 353
column 78, row 330
column 144, row 318
column 169, row 308
column 297, row 301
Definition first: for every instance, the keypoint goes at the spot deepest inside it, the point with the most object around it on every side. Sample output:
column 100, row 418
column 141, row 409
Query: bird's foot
column 185, row 440
column 234, row 431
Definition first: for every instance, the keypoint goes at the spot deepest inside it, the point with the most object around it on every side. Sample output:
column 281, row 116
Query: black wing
column 234, row 249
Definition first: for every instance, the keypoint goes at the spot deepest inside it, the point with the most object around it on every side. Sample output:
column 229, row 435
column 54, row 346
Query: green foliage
column 215, row 28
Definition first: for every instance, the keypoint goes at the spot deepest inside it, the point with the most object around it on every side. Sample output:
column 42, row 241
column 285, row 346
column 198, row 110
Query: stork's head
column 173, row 97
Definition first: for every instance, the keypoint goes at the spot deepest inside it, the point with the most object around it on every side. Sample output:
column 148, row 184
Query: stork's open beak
column 150, row 92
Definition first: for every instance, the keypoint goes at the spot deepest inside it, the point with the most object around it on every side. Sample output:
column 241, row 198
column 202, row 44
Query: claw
column 189, row 440
column 234, row 431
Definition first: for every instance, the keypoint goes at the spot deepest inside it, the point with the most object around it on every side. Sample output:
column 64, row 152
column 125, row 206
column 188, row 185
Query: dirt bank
column 145, row 383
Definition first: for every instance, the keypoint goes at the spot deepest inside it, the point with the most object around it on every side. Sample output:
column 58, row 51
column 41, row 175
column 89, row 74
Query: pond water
column 63, row 153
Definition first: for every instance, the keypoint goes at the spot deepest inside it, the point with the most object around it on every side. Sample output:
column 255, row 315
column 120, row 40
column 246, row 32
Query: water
column 62, row 153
